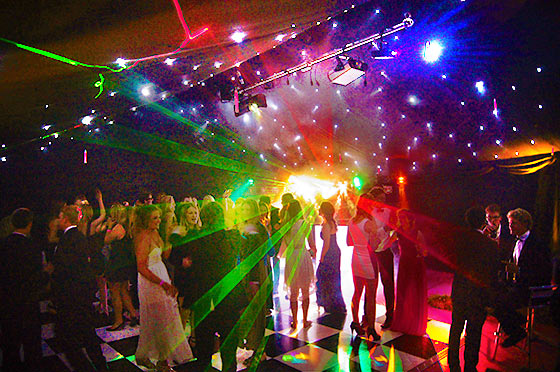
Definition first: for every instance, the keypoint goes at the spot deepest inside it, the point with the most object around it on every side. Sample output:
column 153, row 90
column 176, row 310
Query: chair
column 539, row 297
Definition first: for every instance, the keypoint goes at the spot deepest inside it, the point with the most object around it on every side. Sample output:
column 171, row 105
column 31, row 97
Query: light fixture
column 432, row 51
column 344, row 74
column 242, row 105
column 378, row 52
column 238, row 36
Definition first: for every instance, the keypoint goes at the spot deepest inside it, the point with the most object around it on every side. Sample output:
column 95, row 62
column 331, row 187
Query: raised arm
column 117, row 232
column 102, row 214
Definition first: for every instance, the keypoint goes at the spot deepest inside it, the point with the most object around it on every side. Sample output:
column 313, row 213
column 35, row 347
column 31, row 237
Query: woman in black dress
column 186, row 231
column 121, row 266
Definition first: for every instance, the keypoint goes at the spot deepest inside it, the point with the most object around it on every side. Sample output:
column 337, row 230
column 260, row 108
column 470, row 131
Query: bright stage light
column 238, row 36
column 357, row 183
column 121, row 62
column 432, row 51
column 146, row 91
column 309, row 187
column 480, row 87
column 86, row 120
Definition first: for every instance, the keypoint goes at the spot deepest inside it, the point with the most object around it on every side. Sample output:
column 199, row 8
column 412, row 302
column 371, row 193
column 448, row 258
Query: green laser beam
column 195, row 126
column 247, row 319
column 99, row 84
column 137, row 141
column 59, row 58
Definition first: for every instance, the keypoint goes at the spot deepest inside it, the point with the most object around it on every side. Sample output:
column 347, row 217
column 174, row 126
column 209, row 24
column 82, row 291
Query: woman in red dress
column 411, row 309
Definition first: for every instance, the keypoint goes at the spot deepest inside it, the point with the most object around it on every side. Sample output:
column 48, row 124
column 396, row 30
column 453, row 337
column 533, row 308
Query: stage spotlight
column 86, row 120
column 245, row 104
column 479, row 85
column 344, row 74
column 146, row 91
column 238, row 36
column 357, row 182
column 432, row 51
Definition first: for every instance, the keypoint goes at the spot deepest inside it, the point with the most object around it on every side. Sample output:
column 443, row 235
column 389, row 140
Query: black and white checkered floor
column 326, row 346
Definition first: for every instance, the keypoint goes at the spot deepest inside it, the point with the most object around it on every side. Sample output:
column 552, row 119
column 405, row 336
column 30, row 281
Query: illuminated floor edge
column 327, row 345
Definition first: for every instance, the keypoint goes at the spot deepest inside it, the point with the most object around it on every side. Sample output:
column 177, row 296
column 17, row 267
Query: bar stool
column 539, row 297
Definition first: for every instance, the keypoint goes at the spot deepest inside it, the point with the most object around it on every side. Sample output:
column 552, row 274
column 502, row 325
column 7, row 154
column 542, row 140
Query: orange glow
column 526, row 148
column 401, row 180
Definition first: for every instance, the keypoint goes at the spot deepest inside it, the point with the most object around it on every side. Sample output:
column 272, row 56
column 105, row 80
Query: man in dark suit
column 497, row 232
column 530, row 266
column 470, row 298
column 22, row 281
column 73, row 281
column 381, row 248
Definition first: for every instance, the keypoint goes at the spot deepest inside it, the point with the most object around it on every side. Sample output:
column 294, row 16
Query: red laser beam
column 188, row 38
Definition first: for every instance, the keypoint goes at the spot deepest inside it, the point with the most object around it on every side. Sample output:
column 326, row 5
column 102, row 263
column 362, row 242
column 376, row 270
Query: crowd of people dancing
column 212, row 266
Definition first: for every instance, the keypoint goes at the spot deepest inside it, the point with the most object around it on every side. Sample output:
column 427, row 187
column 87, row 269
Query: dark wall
column 33, row 178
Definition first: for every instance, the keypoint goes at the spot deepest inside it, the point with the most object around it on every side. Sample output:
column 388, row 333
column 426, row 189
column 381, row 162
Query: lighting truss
column 306, row 66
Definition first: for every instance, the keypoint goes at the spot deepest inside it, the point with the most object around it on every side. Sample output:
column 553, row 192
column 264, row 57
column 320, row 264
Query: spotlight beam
column 406, row 23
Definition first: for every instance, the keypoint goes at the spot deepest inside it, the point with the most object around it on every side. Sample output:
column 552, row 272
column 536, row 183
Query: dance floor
column 328, row 344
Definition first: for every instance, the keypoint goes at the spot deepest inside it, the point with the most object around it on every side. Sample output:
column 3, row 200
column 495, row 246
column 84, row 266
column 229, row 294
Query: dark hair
column 143, row 213
column 287, row 198
column 376, row 191
column 294, row 210
column 475, row 217
column 493, row 208
column 212, row 216
column 143, row 195
column 265, row 206
column 265, row 199
column 21, row 218
column 327, row 209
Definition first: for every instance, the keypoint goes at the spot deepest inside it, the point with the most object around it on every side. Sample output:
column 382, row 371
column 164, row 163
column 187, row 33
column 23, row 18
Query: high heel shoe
column 117, row 328
column 134, row 322
column 357, row 328
column 147, row 363
column 371, row 332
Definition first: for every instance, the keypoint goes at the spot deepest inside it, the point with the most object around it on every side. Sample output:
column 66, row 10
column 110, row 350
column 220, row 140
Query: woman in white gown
column 298, row 272
column 162, row 337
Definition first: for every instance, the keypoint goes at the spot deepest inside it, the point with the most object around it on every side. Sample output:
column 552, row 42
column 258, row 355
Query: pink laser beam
column 188, row 38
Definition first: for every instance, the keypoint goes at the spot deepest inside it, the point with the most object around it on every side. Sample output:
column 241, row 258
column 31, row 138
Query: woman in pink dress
column 360, row 230
column 411, row 309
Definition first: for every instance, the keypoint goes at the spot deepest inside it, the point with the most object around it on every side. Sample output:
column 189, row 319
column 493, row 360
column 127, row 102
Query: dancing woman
column 161, row 333
column 411, row 308
column 298, row 273
column 329, row 290
column 360, row 230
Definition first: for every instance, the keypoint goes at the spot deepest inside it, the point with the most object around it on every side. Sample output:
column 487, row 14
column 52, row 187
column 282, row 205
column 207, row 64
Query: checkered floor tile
column 327, row 345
